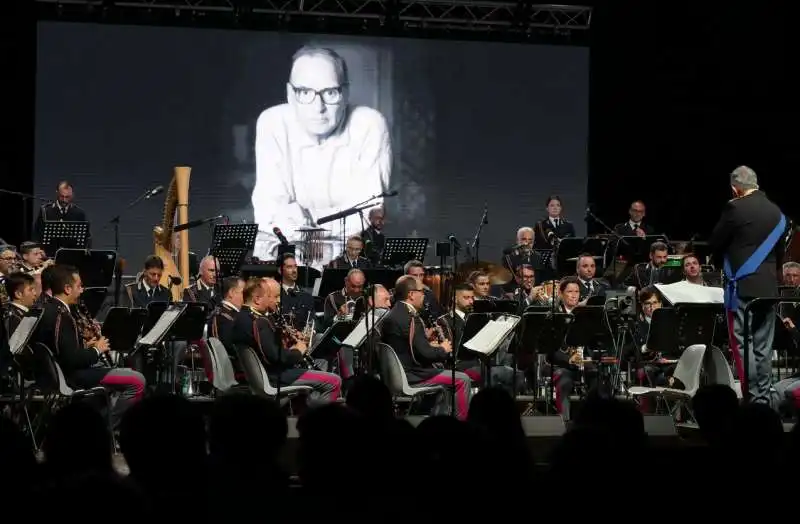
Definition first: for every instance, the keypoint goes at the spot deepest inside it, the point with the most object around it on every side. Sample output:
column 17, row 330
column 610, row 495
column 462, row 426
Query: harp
column 174, row 252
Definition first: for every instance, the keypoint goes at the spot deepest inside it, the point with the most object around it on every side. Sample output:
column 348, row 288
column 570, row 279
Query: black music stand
column 544, row 333
column 589, row 330
column 570, row 248
column 398, row 251
column 543, row 260
column 632, row 250
column 122, row 327
column 69, row 235
column 96, row 268
column 696, row 323
column 230, row 244
column 333, row 279
column 331, row 340
column 510, row 307
column 361, row 334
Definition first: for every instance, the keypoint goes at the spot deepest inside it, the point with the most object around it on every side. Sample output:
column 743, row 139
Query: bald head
column 208, row 270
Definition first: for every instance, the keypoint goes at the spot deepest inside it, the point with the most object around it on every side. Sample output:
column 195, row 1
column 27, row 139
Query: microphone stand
column 476, row 241
column 115, row 223
column 25, row 197
column 452, row 300
column 617, row 238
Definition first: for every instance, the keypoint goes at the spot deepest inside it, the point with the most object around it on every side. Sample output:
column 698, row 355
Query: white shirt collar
column 460, row 314
column 22, row 308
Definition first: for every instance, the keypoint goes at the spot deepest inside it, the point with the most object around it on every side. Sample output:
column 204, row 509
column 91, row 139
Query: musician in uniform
column 374, row 239
column 650, row 371
column 790, row 273
column 21, row 288
column 635, row 225
column 566, row 365
column 481, row 285
column 525, row 291
column 422, row 360
column 351, row 258
column 692, row 271
column 147, row 288
column 789, row 388
column 220, row 325
column 416, row 269
column 522, row 253
column 280, row 353
column 203, row 290
column 383, row 299
column 452, row 324
column 553, row 228
column 82, row 366
column 585, row 269
column 8, row 263
column 33, row 257
column 63, row 209
column 649, row 273
column 336, row 304
column 296, row 303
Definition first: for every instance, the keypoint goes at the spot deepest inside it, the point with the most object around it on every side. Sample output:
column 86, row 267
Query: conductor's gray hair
column 791, row 265
column 744, row 178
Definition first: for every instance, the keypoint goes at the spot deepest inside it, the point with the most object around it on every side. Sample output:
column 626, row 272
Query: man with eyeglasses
column 316, row 155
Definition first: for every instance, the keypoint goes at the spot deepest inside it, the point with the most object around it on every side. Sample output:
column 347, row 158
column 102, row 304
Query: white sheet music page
column 19, row 338
column 684, row 292
column 490, row 336
column 359, row 333
column 163, row 324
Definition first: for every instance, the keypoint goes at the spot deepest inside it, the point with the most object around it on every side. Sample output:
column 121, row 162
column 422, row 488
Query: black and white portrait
column 315, row 155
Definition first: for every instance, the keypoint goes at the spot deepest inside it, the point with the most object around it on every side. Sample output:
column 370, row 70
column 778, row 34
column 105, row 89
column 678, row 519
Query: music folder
column 22, row 335
column 492, row 335
column 359, row 333
column 162, row 325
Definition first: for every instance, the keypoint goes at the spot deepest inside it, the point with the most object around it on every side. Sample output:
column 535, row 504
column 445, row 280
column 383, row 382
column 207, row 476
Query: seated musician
column 373, row 236
column 343, row 303
column 529, row 294
column 522, row 252
column 220, row 325
column 554, row 227
column 33, row 257
column 788, row 389
column 652, row 372
column 203, row 290
column 296, row 303
column 649, row 273
column 280, row 353
column 453, row 324
column 8, row 265
column 82, row 366
column 692, row 272
column 21, row 289
column 416, row 269
column 481, row 285
column 147, row 288
column 403, row 330
column 383, row 299
column 635, row 225
column 585, row 269
column 568, row 364
column 351, row 258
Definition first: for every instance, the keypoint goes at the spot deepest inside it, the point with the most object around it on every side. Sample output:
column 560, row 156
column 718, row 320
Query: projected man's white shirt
column 315, row 159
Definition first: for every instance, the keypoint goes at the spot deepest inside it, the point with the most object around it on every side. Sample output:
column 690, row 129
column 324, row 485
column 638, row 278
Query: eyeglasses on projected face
column 330, row 96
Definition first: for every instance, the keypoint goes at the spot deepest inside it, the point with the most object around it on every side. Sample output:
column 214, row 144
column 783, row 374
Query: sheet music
column 165, row 321
column 359, row 333
column 684, row 292
column 489, row 338
column 19, row 339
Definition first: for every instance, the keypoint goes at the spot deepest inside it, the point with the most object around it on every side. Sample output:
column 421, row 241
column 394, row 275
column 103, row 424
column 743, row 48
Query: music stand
column 510, row 307
column 328, row 343
column 59, row 234
column 696, row 323
column 96, row 268
column 398, row 251
column 544, row 332
column 631, row 250
column 587, row 330
column 21, row 336
column 122, row 326
column 230, row 244
column 160, row 319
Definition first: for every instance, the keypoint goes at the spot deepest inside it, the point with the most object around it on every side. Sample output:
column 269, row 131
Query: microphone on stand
column 281, row 237
column 153, row 192
column 453, row 240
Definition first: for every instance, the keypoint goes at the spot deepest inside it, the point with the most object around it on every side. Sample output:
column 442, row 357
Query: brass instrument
column 576, row 357
column 165, row 247
column 290, row 336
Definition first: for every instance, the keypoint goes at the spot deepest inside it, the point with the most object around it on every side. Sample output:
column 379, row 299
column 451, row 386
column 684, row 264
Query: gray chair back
column 224, row 376
column 689, row 366
column 391, row 369
column 717, row 369
column 254, row 372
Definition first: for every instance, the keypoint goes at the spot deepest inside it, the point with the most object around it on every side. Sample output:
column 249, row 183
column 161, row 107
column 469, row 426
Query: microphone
column 453, row 240
column 175, row 281
column 392, row 193
column 485, row 214
column 153, row 192
column 278, row 233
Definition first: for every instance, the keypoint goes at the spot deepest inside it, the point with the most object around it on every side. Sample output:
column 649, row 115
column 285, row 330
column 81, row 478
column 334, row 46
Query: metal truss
column 510, row 17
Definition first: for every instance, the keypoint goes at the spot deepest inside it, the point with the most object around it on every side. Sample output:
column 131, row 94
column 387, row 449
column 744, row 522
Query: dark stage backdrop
column 471, row 124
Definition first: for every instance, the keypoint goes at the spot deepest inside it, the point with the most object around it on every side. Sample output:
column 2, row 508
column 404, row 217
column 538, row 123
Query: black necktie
column 150, row 293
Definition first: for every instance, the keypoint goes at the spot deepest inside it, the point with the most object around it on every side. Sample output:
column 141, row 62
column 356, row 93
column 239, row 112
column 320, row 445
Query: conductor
column 748, row 235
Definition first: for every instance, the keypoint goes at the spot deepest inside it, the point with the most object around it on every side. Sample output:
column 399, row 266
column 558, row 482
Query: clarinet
column 90, row 330
column 288, row 333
